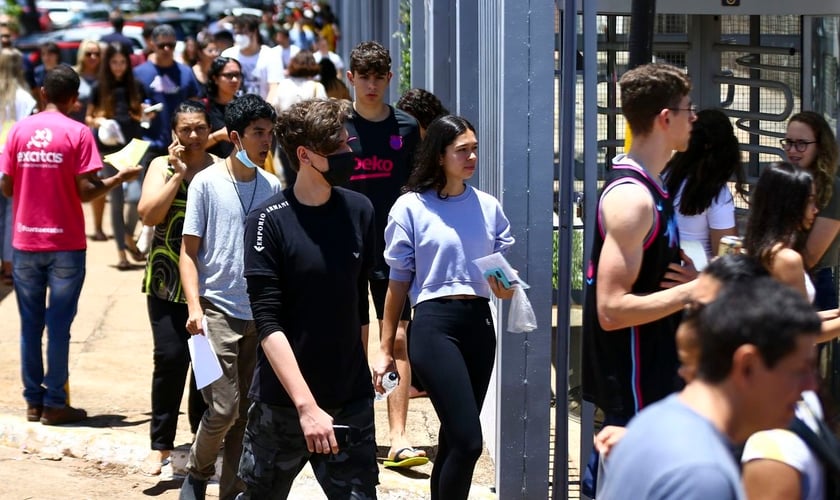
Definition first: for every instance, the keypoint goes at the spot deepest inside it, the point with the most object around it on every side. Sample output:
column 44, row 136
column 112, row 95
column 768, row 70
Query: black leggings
column 452, row 349
column 171, row 364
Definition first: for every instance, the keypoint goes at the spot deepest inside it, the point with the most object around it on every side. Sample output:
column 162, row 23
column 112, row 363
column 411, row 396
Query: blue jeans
column 589, row 481
column 6, row 228
column 63, row 274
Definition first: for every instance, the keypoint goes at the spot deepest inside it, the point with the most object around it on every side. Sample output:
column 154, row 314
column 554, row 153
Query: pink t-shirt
column 43, row 155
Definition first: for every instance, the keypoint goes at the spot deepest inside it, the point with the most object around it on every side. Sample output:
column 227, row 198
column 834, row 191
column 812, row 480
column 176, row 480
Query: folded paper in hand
column 129, row 156
column 695, row 252
column 496, row 262
column 205, row 363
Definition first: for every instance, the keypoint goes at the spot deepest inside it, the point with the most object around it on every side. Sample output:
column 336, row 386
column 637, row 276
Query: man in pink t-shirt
column 50, row 163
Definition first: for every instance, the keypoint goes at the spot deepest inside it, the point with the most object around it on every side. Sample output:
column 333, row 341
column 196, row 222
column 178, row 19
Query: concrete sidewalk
column 110, row 377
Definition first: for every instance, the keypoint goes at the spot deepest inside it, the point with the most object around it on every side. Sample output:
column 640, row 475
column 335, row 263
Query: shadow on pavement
column 5, row 290
column 102, row 421
column 163, row 486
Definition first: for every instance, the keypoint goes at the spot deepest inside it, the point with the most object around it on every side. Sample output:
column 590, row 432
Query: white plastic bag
column 144, row 242
column 521, row 317
column 110, row 133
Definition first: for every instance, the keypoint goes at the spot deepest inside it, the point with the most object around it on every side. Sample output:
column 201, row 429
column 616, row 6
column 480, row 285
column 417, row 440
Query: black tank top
column 628, row 369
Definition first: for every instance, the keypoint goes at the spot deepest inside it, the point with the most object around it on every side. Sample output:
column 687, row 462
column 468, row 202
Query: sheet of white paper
column 695, row 252
column 204, row 361
column 497, row 260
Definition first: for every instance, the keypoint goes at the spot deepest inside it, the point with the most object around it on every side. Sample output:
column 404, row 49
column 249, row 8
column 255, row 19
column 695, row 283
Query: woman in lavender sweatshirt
column 434, row 232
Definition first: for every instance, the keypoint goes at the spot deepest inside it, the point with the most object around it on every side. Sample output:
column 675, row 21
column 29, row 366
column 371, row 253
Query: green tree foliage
column 405, row 45
column 149, row 5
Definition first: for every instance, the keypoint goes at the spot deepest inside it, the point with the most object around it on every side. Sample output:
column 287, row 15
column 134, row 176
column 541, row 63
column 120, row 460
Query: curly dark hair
column 422, row 105
column 712, row 158
column 215, row 70
column 428, row 172
column 825, row 165
column 316, row 124
column 778, row 205
column 648, row 89
column 370, row 58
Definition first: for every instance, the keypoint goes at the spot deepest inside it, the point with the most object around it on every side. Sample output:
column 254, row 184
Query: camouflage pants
column 274, row 452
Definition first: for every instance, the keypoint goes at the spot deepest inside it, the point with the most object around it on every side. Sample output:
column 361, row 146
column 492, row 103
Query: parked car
column 211, row 9
column 68, row 40
column 65, row 14
column 185, row 23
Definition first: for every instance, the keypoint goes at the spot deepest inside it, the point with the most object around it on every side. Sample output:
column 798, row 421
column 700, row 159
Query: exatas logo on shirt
column 40, row 140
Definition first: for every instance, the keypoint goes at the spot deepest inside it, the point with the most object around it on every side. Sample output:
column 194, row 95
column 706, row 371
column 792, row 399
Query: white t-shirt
column 285, row 53
column 296, row 89
column 786, row 447
column 719, row 215
column 335, row 58
column 258, row 70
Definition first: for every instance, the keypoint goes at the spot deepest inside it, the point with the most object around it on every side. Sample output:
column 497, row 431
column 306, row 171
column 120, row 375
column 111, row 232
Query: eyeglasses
column 799, row 145
column 691, row 108
column 165, row 45
column 232, row 75
column 199, row 130
column 92, row 54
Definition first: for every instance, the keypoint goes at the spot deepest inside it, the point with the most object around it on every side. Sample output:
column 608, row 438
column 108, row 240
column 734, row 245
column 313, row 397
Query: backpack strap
column 825, row 447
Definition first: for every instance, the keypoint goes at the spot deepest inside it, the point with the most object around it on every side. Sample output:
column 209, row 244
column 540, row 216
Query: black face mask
column 341, row 167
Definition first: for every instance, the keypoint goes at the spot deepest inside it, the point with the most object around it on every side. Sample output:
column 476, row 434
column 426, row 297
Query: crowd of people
column 371, row 201
column 271, row 195
column 708, row 383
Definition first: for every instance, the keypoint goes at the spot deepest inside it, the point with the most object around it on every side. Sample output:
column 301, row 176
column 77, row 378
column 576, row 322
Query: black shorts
column 377, row 291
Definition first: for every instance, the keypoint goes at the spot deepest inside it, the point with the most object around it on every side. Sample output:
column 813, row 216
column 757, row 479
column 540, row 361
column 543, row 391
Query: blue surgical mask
column 242, row 156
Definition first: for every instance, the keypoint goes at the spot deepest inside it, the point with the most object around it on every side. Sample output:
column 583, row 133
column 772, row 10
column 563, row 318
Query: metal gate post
column 516, row 133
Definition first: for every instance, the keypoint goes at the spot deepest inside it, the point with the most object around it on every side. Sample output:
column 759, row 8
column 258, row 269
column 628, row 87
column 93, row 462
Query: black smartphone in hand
column 346, row 435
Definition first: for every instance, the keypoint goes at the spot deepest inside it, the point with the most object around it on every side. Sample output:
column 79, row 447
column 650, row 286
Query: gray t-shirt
column 671, row 452
column 831, row 211
column 216, row 212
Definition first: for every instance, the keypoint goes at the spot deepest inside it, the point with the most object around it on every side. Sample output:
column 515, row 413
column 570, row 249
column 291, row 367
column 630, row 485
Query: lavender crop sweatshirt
column 432, row 242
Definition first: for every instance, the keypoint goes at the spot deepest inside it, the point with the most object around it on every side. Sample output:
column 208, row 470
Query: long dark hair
column 216, row 68
column 108, row 82
column 428, row 171
column 777, row 208
column 712, row 158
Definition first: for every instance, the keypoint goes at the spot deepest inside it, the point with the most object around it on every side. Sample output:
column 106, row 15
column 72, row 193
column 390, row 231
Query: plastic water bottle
column 145, row 122
column 389, row 382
